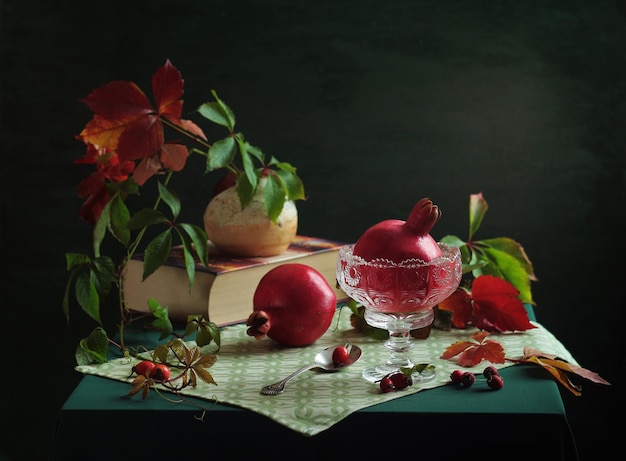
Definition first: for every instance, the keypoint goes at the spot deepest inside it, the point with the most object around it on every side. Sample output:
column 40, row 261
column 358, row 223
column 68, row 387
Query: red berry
column 160, row 373
column 490, row 371
column 341, row 356
column 456, row 376
column 467, row 379
column 386, row 384
column 495, row 382
column 144, row 367
column 400, row 380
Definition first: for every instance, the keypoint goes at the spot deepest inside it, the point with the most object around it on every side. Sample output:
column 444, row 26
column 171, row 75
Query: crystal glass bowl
column 398, row 297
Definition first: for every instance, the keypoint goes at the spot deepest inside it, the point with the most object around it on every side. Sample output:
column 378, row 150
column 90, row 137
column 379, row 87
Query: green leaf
column 214, row 112
column 87, row 296
column 94, row 346
column 100, row 229
column 192, row 324
column 103, row 275
column 218, row 112
column 255, row 152
column 284, row 166
column 511, row 247
column 292, row 184
column 230, row 115
column 221, row 153
column 190, row 263
column 452, row 241
column 157, row 252
column 248, row 163
column 274, row 198
column 245, row 190
column 161, row 321
column 477, row 209
column 200, row 241
column 170, row 198
column 146, row 217
column 82, row 357
column 76, row 259
column 207, row 332
column 119, row 216
column 509, row 268
column 128, row 187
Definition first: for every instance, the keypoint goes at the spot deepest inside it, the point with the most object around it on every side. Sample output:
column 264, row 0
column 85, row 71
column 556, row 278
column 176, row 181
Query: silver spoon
column 323, row 359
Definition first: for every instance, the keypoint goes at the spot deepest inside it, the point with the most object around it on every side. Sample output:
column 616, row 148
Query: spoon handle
column 279, row 387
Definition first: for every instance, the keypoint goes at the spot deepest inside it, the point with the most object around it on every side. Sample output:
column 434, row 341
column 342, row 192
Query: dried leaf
column 138, row 384
column 192, row 378
column 560, row 375
column 206, row 361
column 204, row 375
column 550, row 360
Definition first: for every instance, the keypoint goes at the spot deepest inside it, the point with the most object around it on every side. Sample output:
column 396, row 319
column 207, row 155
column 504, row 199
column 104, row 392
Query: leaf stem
column 189, row 134
column 132, row 248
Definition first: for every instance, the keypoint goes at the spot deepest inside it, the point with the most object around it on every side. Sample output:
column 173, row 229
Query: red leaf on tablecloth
column 471, row 353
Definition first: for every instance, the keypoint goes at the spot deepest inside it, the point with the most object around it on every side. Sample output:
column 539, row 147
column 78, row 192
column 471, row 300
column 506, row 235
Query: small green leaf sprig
column 283, row 183
column 501, row 256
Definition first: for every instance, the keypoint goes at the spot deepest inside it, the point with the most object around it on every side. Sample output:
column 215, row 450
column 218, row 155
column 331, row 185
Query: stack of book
column 224, row 289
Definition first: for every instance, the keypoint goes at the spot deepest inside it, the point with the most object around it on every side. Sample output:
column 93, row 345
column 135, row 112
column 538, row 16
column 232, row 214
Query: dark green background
column 378, row 104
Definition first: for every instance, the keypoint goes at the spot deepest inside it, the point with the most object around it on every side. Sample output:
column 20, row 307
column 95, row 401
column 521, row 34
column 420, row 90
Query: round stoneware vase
column 248, row 232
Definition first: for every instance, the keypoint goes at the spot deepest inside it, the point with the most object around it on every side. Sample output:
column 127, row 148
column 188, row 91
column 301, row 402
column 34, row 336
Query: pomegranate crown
column 423, row 217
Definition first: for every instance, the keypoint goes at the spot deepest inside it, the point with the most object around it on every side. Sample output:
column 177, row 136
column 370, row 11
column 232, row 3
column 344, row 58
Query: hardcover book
column 224, row 289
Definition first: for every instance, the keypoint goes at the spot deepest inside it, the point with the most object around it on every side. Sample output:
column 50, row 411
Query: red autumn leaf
column 147, row 168
column 460, row 304
column 167, row 88
column 124, row 120
column 143, row 138
column 497, row 306
column 471, row 353
column 94, row 187
column 173, row 156
column 492, row 305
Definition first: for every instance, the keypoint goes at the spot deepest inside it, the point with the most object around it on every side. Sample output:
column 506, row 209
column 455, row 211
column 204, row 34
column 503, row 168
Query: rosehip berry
column 400, row 380
column 386, row 384
column 160, row 373
column 456, row 376
column 467, row 379
column 495, row 382
column 144, row 367
column 341, row 356
column 490, row 371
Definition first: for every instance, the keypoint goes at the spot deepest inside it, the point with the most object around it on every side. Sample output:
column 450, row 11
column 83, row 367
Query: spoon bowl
column 323, row 360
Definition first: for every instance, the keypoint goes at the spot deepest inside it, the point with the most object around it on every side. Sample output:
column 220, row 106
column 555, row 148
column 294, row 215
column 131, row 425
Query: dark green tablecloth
column 526, row 417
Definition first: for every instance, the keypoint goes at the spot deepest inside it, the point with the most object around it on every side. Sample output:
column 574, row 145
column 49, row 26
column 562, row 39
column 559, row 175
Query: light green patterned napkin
column 316, row 400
